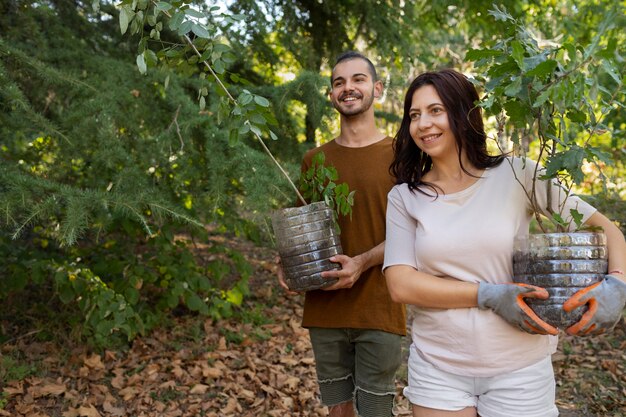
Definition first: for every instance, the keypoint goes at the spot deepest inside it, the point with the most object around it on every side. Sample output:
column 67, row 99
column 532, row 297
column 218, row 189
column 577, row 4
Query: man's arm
column 352, row 268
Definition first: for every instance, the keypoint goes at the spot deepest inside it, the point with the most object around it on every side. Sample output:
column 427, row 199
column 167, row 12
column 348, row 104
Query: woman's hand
column 507, row 301
column 606, row 301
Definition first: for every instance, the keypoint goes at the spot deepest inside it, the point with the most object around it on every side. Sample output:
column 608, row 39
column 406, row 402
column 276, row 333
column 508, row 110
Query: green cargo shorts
column 357, row 365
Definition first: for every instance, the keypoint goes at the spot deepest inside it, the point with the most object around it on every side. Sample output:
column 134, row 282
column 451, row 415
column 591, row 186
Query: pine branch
column 42, row 199
column 16, row 98
column 47, row 72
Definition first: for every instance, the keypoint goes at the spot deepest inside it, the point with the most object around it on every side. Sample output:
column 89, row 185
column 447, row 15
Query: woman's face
column 429, row 126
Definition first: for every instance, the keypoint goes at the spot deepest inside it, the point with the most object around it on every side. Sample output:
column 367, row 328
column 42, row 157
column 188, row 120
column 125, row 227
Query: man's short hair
column 350, row 55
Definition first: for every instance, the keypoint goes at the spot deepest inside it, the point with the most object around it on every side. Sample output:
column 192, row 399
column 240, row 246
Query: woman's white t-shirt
column 469, row 235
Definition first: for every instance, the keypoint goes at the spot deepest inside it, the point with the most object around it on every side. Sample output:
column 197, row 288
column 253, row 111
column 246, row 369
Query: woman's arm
column 409, row 286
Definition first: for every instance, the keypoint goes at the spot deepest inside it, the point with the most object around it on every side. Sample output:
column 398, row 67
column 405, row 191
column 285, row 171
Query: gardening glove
column 507, row 301
column 606, row 301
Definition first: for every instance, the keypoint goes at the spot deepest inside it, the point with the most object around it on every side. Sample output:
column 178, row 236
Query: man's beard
column 365, row 105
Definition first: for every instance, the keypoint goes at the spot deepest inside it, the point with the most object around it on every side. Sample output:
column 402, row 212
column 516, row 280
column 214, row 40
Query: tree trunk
column 309, row 129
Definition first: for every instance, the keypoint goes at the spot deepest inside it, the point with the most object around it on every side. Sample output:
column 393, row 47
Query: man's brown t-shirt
column 367, row 305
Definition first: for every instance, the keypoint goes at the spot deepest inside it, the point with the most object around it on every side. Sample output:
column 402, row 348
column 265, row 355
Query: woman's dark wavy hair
column 459, row 96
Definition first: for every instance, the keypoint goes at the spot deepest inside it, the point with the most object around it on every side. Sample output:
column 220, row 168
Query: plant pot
column 306, row 238
column 562, row 263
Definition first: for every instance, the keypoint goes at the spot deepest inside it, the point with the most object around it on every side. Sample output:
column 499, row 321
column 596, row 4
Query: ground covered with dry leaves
column 260, row 364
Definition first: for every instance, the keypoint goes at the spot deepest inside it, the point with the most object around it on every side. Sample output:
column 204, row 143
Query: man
column 356, row 329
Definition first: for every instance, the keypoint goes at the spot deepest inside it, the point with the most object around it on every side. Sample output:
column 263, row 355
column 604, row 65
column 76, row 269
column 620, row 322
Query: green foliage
column 307, row 37
column 119, row 290
column 556, row 97
column 338, row 25
column 318, row 183
column 14, row 369
column 201, row 49
column 248, row 113
column 101, row 168
column 124, row 125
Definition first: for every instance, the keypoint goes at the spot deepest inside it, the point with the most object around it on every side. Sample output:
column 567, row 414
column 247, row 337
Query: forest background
column 126, row 168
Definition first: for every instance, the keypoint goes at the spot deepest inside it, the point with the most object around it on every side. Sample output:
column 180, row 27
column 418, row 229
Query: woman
column 451, row 222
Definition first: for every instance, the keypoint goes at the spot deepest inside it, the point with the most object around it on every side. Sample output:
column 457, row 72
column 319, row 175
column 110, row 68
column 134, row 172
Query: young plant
column 318, row 183
column 553, row 100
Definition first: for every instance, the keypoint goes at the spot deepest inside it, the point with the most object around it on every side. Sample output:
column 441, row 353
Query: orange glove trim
column 575, row 300
column 544, row 328
column 576, row 329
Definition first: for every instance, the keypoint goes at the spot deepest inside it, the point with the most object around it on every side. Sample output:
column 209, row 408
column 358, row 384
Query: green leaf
column 141, row 64
column 141, row 4
column 273, row 135
column 176, row 20
column 609, row 51
column 233, row 137
column 234, row 296
column 229, row 57
column 504, row 69
column 163, row 6
column 261, row 101
column 577, row 116
column 518, row 53
column 533, row 61
column 569, row 160
column 195, row 13
column 185, row 27
column 194, row 302
column 218, row 66
column 125, row 17
column 611, row 70
column 200, row 31
column 500, row 14
column 595, row 153
column 244, row 128
column 542, row 98
column 244, row 98
column 478, row 54
column 220, row 47
column 257, row 119
column 514, row 87
column 517, row 112
column 173, row 52
column 150, row 57
column 172, row 300
column 131, row 295
column 557, row 219
column 319, row 158
column 65, row 292
column 577, row 217
column 255, row 129
column 543, row 69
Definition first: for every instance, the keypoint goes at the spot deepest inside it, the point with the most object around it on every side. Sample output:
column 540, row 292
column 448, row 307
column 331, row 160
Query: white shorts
column 527, row 392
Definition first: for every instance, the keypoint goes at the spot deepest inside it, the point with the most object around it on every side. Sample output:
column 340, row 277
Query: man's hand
column 606, row 301
column 281, row 276
column 351, row 270
column 507, row 301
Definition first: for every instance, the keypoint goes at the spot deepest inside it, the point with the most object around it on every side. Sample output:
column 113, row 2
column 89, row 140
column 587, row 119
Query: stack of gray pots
column 562, row 263
column 306, row 237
